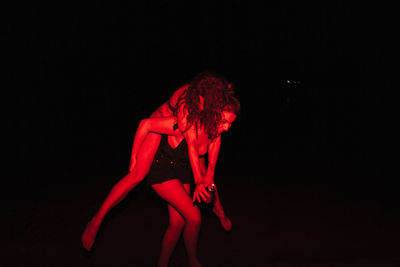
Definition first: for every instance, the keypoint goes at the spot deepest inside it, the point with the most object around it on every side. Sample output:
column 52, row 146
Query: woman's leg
column 219, row 211
column 175, row 194
column 217, row 206
column 144, row 160
column 172, row 234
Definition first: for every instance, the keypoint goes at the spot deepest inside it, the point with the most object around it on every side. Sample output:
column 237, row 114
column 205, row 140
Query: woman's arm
column 155, row 125
column 213, row 152
column 203, row 166
column 200, row 192
column 181, row 117
column 191, row 139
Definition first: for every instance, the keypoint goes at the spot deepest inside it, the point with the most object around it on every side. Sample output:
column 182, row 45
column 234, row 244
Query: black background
column 311, row 79
column 81, row 76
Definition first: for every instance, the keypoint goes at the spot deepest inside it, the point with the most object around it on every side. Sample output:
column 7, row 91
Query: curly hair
column 216, row 92
column 233, row 105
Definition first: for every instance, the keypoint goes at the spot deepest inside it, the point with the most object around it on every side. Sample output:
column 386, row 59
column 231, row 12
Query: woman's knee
column 134, row 177
column 177, row 224
column 194, row 218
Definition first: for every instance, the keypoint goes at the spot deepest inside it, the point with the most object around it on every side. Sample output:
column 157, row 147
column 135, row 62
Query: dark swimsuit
column 170, row 163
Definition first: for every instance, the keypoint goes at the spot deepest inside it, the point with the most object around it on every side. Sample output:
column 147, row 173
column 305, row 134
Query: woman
column 170, row 173
column 202, row 93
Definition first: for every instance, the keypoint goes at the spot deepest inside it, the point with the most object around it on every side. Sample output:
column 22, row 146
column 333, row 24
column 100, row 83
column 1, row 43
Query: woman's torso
column 166, row 110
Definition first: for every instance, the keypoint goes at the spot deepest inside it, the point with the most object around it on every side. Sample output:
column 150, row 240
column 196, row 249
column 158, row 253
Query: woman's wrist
column 208, row 179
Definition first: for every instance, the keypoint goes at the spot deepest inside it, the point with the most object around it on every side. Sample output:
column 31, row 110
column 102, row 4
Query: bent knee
column 134, row 177
column 194, row 219
column 177, row 224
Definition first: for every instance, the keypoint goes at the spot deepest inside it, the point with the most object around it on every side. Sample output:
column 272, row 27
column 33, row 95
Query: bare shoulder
column 191, row 134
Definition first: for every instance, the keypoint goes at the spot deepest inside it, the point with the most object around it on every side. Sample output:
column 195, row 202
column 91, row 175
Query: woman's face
column 227, row 119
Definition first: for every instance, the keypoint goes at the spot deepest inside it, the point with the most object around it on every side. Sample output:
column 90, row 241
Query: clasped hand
column 201, row 194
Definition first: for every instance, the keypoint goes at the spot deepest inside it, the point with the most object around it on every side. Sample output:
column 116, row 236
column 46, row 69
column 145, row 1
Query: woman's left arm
column 213, row 151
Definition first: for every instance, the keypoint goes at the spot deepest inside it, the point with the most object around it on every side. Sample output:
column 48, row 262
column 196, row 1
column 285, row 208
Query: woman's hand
column 200, row 193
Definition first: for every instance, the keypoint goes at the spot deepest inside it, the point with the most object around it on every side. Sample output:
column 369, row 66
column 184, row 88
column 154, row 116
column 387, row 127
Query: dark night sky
column 81, row 76
column 304, row 172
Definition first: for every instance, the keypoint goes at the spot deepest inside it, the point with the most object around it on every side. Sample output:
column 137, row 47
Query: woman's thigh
column 145, row 156
column 175, row 218
column 148, row 149
column 174, row 192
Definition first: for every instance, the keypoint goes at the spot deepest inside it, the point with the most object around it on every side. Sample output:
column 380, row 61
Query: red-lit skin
column 183, row 214
column 141, row 160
